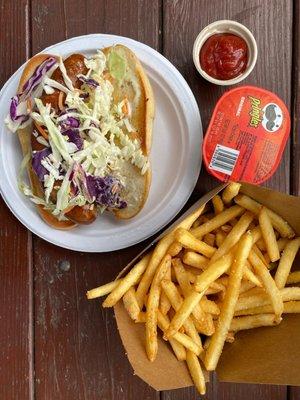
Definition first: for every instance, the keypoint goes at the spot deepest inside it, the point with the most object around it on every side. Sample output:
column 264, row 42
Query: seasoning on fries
column 223, row 269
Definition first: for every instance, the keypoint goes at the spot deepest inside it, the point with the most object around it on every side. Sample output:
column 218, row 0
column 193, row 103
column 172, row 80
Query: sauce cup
column 225, row 26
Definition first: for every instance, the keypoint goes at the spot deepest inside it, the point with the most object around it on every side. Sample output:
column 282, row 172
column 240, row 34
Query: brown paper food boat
column 263, row 355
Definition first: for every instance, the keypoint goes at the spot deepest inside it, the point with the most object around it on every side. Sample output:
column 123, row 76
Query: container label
column 246, row 135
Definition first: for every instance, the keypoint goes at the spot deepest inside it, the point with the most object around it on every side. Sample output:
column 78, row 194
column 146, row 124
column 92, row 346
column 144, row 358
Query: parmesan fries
column 221, row 270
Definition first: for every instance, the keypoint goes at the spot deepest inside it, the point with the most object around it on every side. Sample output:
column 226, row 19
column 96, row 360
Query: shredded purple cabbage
column 89, row 81
column 105, row 191
column 18, row 111
column 74, row 137
column 37, row 166
column 37, row 76
column 69, row 122
column 13, row 107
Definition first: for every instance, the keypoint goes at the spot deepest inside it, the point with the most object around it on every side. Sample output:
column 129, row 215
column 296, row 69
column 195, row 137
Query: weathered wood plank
column 78, row 350
column 16, row 361
column 295, row 147
column 294, row 392
column 182, row 21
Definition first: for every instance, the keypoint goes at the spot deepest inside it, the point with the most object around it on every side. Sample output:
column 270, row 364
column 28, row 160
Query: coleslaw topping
column 86, row 142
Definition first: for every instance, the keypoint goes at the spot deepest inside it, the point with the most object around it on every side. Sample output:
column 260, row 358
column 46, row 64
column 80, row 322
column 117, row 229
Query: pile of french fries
column 223, row 269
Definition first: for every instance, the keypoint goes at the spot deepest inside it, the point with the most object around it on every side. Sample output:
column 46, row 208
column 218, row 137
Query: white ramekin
column 226, row 26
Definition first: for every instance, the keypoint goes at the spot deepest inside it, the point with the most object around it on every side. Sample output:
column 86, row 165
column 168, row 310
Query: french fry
column 256, row 233
column 216, row 287
column 252, row 292
column 205, row 327
column 218, row 221
column 206, row 343
column 209, row 239
column 191, row 275
column 223, row 280
column 289, row 307
column 129, row 280
column 260, row 255
column 230, row 192
column 268, row 282
column 131, row 304
column 278, row 222
column 234, row 235
column 248, row 274
column 152, row 306
column 202, row 219
column 253, row 321
column 286, row 262
column 196, row 224
column 195, row 260
column 217, row 204
column 231, row 296
column 230, row 337
column 287, row 294
column 176, row 300
column 209, row 306
column 233, row 221
column 164, row 303
column 220, row 237
column 261, row 244
column 281, row 243
column 179, row 350
column 174, row 249
column 160, row 251
column 293, row 277
column 268, row 234
column 226, row 228
column 164, row 322
column 213, row 272
column 190, row 242
column 141, row 318
column 196, row 371
column 183, row 313
column 204, row 323
column 102, row 290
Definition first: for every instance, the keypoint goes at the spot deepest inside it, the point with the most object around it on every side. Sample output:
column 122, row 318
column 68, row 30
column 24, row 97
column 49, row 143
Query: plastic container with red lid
column 246, row 136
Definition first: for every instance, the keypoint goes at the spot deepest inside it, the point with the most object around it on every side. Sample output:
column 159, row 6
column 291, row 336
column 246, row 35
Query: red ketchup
column 224, row 56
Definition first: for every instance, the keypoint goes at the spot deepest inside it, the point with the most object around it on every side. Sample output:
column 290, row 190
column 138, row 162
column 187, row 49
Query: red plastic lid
column 246, row 136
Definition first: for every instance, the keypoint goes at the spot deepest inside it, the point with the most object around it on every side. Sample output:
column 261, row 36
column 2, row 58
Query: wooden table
column 54, row 343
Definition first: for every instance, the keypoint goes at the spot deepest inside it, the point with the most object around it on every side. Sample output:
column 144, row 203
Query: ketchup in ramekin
column 224, row 56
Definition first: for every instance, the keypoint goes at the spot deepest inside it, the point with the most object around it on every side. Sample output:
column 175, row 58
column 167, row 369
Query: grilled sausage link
column 74, row 66
column 82, row 215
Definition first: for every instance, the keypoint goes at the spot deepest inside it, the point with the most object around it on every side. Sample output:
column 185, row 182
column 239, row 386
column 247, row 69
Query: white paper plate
column 175, row 156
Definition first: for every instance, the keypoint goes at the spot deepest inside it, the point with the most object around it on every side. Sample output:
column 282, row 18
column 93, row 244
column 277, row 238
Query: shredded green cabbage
column 105, row 128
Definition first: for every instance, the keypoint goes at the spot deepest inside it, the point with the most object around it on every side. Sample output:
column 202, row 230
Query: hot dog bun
column 24, row 136
column 136, row 185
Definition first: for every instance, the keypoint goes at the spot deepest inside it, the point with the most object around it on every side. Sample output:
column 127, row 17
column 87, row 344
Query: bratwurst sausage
column 74, row 66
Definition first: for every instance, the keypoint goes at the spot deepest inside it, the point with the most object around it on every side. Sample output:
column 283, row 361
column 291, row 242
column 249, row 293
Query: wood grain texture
column 295, row 148
column 230, row 391
column 293, row 393
column 16, row 361
column 184, row 19
column 79, row 354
